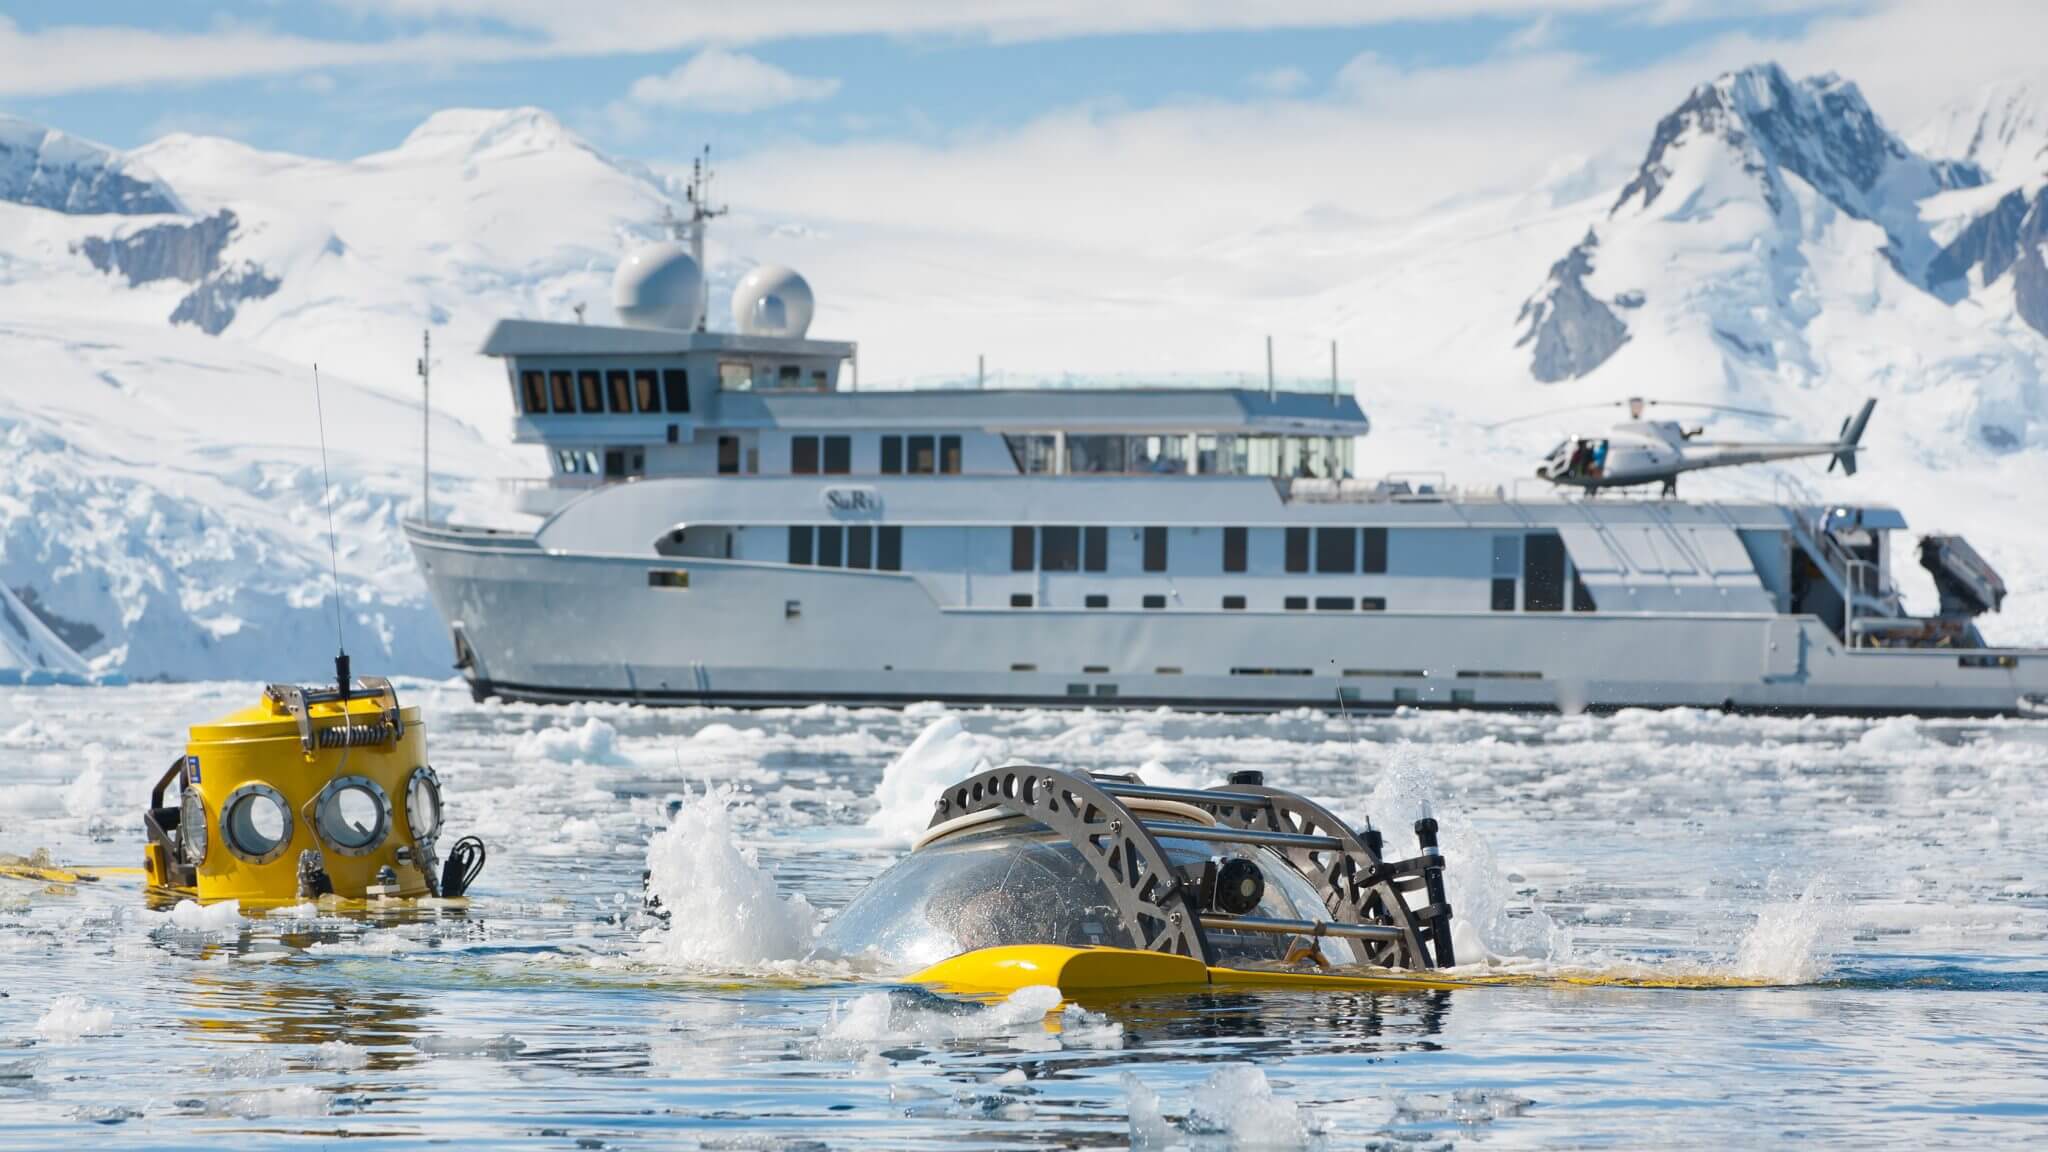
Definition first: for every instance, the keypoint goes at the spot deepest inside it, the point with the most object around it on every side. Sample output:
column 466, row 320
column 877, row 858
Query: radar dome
column 772, row 301
column 658, row 286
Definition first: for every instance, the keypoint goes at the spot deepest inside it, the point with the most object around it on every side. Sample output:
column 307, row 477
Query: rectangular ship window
column 1375, row 550
column 838, row 455
column 1296, row 603
column 799, row 544
column 1582, row 597
column 1233, row 603
column 949, row 454
column 922, row 457
column 1166, row 670
column 831, row 545
column 889, row 548
column 1059, row 548
column 591, row 385
column 565, row 396
column 1333, row 603
column 735, row 376
column 533, row 391
column 675, row 388
column 668, row 578
column 646, row 390
column 1155, row 601
column 1503, row 594
column 892, row 455
column 1095, row 670
column 1020, row 599
column 728, row 455
column 1297, row 549
column 1155, row 549
column 1372, row 603
column 1336, row 550
column 1095, row 548
column 860, row 545
column 1023, row 667
column 1023, row 549
column 803, row 455
column 619, row 384
column 1543, row 573
column 1235, row 549
column 1097, row 600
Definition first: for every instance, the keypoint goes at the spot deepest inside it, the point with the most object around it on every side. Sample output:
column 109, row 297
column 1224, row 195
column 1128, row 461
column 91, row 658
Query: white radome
column 772, row 301
column 658, row 286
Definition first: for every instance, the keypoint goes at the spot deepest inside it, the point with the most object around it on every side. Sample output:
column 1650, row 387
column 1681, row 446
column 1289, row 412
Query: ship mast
column 701, row 210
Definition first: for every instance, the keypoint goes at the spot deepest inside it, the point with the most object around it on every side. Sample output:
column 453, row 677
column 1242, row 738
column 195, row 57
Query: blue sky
column 353, row 76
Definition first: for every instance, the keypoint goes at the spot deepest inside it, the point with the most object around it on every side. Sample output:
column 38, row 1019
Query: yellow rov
column 309, row 793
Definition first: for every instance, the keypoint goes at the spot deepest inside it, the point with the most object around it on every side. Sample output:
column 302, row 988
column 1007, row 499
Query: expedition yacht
column 730, row 519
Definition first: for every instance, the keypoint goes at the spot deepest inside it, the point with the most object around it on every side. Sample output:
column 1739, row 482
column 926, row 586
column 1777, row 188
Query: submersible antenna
column 341, row 676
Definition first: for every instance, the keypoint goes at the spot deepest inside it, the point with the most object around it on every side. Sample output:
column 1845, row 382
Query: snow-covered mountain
column 160, row 509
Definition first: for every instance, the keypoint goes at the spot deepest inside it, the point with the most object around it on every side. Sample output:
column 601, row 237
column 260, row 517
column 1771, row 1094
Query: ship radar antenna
column 701, row 210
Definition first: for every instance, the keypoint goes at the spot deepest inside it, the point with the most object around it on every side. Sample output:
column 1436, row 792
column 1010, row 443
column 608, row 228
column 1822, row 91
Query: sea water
column 1889, row 879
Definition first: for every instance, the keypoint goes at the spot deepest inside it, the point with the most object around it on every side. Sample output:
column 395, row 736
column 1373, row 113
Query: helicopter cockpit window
column 1012, row 886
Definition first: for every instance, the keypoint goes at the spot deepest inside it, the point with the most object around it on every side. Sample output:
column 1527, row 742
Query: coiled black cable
column 465, row 862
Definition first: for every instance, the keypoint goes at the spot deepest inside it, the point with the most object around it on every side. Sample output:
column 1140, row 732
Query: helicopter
column 1645, row 451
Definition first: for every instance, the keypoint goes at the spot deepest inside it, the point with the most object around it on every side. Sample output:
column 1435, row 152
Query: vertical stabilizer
column 1852, row 434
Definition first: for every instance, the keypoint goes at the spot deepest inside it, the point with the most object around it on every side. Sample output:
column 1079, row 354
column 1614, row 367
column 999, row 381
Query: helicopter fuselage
column 1655, row 452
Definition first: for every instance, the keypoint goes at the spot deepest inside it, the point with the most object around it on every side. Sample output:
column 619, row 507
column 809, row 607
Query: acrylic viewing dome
column 659, row 286
column 772, row 301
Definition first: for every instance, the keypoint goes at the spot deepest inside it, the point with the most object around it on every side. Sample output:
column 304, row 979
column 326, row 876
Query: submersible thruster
column 310, row 792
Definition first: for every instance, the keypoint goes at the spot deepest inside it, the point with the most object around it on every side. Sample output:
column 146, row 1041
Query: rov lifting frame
column 1365, row 895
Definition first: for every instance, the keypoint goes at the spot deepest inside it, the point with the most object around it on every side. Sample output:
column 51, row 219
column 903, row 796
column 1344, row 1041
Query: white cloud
column 1284, row 81
column 716, row 80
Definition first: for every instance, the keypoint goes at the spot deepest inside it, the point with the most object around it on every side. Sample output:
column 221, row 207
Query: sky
column 653, row 79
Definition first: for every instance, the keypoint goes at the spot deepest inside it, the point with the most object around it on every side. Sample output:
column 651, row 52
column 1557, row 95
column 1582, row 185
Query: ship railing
column 1393, row 488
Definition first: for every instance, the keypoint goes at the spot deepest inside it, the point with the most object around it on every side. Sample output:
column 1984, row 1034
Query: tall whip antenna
column 341, row 676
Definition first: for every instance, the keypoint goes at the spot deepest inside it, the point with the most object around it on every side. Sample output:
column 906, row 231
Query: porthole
column 352, row 815
column 192, row 837
column 255, row 823
column 423, row 804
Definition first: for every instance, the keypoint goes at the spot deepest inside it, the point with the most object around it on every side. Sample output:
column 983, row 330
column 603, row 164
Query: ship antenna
column 701, row 210
column 341, row 674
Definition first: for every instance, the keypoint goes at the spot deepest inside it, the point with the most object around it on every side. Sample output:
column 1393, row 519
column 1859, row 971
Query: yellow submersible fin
column 310, row 792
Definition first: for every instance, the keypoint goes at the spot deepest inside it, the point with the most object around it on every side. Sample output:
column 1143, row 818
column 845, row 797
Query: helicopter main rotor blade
column 1758, row 412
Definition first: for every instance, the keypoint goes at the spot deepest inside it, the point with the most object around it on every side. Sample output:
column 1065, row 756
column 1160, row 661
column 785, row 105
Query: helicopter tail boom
column 1852, row 434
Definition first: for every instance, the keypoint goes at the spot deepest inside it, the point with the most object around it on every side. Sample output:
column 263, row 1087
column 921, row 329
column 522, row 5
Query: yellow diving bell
column 312, row 792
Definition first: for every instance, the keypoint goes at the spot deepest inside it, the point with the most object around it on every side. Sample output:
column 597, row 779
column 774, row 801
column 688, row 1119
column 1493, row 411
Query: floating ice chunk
column 906, row 1016
column 595, row 741
column 1893, row 734
column 340, row 1055
column 70, row 1017
column 503, row 1044
column 941, row 755
column 724, row 909
column 298, row 1100
column 1234, row 1107
column 192, row 916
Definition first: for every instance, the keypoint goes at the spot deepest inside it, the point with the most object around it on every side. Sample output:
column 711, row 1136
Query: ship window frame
column 1503, row 594
column 1544, row 563
column 803, row 455
column 835, row 455
column 1023, row 548
column 831, row 546
column 590, row 391
column 1020, row 599
column 1297, row 548
column 800, row 550
column 1155, row 549
column 646, row 390
column 950, row 454
column 728, row 466
column 860, row 546
column 1295, row 604
column 675, row 386
column 1336, row 550
column 1059, row 548
column 1096, row 600
column 533, row 391
column 1154, row 601
column 1374, row 542
column 1582, row 596
column 562, row 390
column 1233, row 603
column 920, row 455
column 889, row 548
column 892, row 455
column 735, row 376
column 1236, row 549
column 618, row 387
column 1335, row 604
column 1372, row 603
column 1095, row 548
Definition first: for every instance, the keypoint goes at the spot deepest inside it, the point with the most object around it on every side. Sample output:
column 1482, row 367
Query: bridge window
column 576, row 461
column 1059, row 549
column 1543, row 573
column 619, row 383
column 838, row 455
column 591, row 386
column 533, row 391
column 1336, row 550
column 646, row 390
column 1375, row 550
column 1033, row 455
column 1297, row 549
column 923, row 455
column 735, row 376
column 949, row 454
column 889, row 548
column 800, row 544
column 1023, row 549
column 831, row 546
column 1155, row 549
column 560, row 384
column 675, row 386
column 803, row 455
column 1235, row 551
column 892, row 455
column 860, row 546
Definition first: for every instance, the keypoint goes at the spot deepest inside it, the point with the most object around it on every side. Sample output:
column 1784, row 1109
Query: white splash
column 1235, row 1107
column 340, row 1056
column 724, row 909
column 70, row 1017
column 1792, row 940
column 883, row 1017
column 942, row 754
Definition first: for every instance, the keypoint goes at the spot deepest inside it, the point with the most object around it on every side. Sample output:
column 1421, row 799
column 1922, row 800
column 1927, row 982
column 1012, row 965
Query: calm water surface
column 1892, row 875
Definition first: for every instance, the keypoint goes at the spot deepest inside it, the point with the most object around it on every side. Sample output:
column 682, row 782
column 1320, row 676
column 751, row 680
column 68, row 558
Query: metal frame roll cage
column 1365, row 895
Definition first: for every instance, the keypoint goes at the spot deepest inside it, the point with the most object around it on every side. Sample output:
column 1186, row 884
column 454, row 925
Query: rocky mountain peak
column 44, row 168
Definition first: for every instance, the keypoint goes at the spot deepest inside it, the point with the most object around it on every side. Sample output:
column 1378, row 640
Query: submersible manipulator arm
column 1165, row 910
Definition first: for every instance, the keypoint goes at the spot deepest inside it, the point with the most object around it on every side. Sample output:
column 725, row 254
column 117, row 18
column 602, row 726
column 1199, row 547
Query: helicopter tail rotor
column 1852, row 434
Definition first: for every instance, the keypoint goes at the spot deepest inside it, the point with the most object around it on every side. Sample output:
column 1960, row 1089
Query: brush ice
column 71, row 1017
column 192, row 916
column 724, row 909
column 901, row 1017
column 1234, row 1108
column 594, row 741
column 942, row 755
